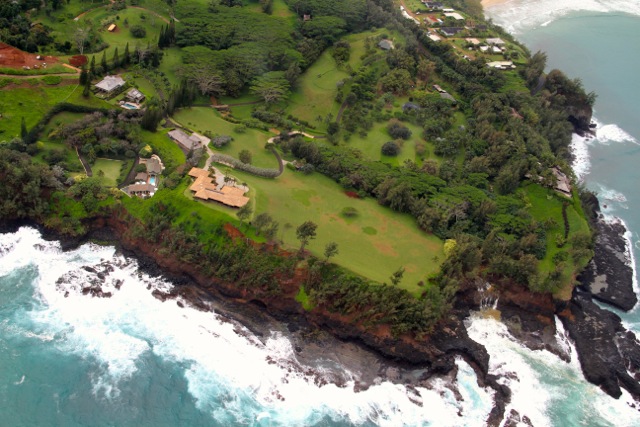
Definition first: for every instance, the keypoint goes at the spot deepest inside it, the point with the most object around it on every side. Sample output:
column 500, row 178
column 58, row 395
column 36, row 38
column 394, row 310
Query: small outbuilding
column 112, row 28
column 134, row 95
column 386, row 44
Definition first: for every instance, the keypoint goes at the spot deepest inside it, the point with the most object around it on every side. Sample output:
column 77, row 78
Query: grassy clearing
column 70, row 157
column 108, row 170
column 122, row 35
column 317, row 91
column 202, row 119
column 171, row 59
column 544, row 203
column 33, row 102
column 171, row 155
column 373, row 244
column 514, row 82
column 371, row 144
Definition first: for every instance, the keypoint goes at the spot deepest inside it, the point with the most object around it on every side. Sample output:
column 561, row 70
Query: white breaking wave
column 233, row 375
column 608, row 133
column 516, row 16
column 545, row 389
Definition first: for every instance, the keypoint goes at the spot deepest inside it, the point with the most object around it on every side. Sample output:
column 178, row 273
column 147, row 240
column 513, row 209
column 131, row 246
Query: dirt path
column 85, row 164
column 340, row 111
column 36, row 76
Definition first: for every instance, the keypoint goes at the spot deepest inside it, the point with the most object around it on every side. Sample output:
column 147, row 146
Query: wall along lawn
column 373, row 244
column 202, row 119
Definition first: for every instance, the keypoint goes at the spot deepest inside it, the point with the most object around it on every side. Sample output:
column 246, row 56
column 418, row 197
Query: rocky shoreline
column 609, row 354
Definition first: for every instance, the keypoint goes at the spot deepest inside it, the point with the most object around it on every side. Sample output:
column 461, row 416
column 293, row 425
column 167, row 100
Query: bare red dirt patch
column 15, row 58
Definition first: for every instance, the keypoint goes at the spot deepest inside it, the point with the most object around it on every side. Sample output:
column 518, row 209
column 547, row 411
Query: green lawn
column 545, row 203
column 171, row 155
column 202, row 119
column 70, row 157
column 378, row 135
column 32, row 103
column 122, row 35
column 171, row 60
column 317, row 91
column 110, row 168
column 374, row 244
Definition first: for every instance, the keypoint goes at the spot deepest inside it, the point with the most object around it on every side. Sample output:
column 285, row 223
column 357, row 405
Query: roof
column 110, row 83
column 141, row 176
column 472, row 40
column 135, row 93
column 495, row 41
column 435, row 37
column 154, row 164
column 201, row 138
column 111, row 27
column 450, row 31
column 455, row 16
column 448, row 96
column 137, row 188
column 205, row 189
column 410, row 106
column 385, row 44
column 501, row 64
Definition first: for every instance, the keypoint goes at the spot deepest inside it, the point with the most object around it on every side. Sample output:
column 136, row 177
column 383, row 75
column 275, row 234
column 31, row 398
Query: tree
column 272, row 86
column 245, row 156
column 330, row 250
column 206, row 77
column 80, row 37
column 244, row 213
column 126, row 59
column 262, row 222
column 390, row 148
column 138, row 31
column 23, row 129
column 397, row 81
column 116, row 59
column 92, row 66
column 306, row 232
column 397, row 275
column 425, row 70
column 103, row 62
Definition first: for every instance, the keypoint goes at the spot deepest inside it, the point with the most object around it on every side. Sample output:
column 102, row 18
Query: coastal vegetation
column 409, row 144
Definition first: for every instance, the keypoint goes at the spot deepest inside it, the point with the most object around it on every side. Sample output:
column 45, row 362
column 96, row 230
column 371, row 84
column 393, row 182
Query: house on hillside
column 435, row 37
column 188, row 142
column 495, row 41
column 134, row 95
column 563, row 183
column 454, row 15
column 501, row 65
column 450, row 31
column 205, row 187
column 146, row 182
column 386, row 44
column 110, row 84
column 433, row 5
column 473, row 41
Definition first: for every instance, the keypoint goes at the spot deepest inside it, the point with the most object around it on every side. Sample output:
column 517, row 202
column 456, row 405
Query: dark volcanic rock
column 608, row 353
column 609, row 277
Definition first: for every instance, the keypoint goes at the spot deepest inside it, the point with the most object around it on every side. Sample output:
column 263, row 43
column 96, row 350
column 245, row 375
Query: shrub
column 349, row 212
column 138, row 31
column 237, row 164
column 398, row 131
column 240, row 129
column 220, row 141
column 390, row 149
column 52, row 80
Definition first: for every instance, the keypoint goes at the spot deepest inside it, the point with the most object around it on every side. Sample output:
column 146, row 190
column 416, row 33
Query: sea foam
column 516, row 16
column 234, row 376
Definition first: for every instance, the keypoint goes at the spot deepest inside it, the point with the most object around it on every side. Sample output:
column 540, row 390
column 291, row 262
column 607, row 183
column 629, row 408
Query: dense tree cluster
column 18, row 30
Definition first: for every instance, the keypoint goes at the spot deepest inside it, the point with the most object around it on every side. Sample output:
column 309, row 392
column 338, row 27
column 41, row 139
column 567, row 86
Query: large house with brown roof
column 205, row 188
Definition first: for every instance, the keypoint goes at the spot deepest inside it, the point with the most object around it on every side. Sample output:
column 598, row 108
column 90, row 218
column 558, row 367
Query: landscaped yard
column 546, row 204
column 108, row 170
column 202, row 119
column 171, row 155
column 374, row 243
column 32, row 104
column 371, row 144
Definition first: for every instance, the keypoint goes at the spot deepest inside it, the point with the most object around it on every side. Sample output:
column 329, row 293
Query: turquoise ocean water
column 67, row 359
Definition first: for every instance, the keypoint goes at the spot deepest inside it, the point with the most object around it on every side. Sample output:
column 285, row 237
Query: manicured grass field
column 110, row 168
column 544, row 204
column 374, row 244
column 203, row 119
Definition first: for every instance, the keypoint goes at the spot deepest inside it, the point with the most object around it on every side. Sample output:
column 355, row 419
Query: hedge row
column 237, row 164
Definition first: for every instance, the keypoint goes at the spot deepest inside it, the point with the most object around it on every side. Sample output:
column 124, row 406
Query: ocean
column 68, row 359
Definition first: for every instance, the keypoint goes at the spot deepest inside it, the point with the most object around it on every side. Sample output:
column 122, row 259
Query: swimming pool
column 129, row 106
column 152, row 180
